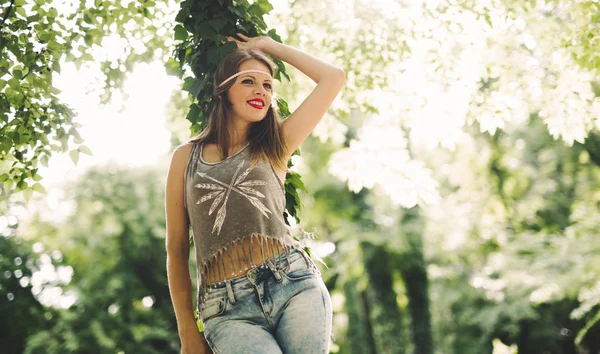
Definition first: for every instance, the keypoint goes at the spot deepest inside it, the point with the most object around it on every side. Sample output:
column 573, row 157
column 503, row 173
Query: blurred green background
column 453, row 186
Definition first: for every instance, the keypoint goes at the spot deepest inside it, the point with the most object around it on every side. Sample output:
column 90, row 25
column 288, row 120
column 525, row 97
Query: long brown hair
column 265, row 137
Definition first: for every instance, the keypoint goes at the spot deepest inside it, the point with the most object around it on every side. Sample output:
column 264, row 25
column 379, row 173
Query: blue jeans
column 276, row 307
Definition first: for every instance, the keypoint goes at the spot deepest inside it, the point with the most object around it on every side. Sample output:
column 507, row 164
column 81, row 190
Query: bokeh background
column 452, row 188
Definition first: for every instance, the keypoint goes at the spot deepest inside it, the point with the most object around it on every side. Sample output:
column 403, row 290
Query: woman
column 258, row 291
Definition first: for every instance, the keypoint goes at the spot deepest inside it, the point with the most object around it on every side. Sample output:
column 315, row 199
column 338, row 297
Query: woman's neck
column 234, row 145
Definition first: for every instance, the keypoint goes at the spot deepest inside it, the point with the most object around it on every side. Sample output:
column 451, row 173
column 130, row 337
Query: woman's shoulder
column 181, row 154
column 185, row 148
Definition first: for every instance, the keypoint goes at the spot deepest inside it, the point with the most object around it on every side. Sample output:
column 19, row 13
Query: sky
column 133, row 137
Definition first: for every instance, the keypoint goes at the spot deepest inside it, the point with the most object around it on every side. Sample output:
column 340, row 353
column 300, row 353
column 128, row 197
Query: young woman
column 258, row 291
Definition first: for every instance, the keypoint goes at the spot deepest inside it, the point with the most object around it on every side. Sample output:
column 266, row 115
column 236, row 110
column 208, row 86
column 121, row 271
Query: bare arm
column 329, row 80
column 178, row 251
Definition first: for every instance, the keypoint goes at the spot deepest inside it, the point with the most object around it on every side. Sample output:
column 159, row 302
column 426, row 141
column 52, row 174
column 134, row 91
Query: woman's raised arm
column 329, row 80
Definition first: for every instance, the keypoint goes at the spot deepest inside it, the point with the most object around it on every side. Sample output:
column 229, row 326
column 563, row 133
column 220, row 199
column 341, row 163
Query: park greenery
column 456, row 177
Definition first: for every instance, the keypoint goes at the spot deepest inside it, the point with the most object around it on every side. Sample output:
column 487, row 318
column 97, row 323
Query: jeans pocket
column 298, row 267
column 212, row 308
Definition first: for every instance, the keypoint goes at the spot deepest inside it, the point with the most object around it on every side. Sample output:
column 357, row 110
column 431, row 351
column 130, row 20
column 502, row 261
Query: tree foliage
column 114, row 242
column 35, row 38
column 508, row 252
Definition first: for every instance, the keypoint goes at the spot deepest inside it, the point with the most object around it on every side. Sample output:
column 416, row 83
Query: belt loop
column 275, row 271
column 230, row 291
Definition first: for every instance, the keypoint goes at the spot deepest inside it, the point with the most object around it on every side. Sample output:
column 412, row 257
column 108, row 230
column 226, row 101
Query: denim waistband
column 259, row 270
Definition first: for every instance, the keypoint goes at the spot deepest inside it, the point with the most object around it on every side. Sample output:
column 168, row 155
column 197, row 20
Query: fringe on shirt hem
column 262, row 240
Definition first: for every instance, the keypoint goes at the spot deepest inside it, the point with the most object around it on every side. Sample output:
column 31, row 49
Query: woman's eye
column 248, row 81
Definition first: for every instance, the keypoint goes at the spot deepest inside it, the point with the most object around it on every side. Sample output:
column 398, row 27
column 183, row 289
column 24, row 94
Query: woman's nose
column 260, row 89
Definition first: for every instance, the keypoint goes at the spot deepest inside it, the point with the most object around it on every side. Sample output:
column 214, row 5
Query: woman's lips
column 256, row 106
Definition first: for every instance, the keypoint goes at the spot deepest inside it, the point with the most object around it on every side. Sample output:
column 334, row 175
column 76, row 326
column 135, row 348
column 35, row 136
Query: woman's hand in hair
column 259, row 42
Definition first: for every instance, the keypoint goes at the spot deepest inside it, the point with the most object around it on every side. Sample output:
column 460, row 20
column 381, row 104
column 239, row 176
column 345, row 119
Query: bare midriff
column 245, row 255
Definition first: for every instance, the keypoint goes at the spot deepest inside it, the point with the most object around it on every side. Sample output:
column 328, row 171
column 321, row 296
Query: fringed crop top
column 229, row 201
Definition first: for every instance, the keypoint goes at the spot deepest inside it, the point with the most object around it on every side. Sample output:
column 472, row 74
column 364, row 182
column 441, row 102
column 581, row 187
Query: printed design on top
column 221, row 190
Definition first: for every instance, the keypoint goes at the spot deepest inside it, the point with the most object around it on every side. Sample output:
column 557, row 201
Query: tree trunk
column 358, row 335
column 414, row 273
column 385, row 315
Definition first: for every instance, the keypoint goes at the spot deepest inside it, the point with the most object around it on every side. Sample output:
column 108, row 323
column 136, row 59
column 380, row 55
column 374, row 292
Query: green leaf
column 193, row 113
column 255, row 10
column 239, row 11
column 295, row 180
column 85, row 150
column 45, row 37
column 265, row 5
column 181, row 33
column 21, row 11
column 188, row 83
column 172, row 67
column 88, row 39
column 200, row 325
column 33, row 18
column 8, row 184
column 205, row 30
column 52, row 12
column 55, row 46
column 22, row 185
column 226, row 49
column 44, row 160
column 56, row 66
column 183, row 14
column 27, row 193
column 3, row 177
column 14, row 83
column 273, row 34
column 87, row 57
column 39, row 188
column 218, row 24
column 198, row 86
column 74, row 154
column 282, row 108
column 213, row 55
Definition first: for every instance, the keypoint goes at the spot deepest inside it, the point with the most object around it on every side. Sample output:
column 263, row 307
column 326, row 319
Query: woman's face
column 251, row 93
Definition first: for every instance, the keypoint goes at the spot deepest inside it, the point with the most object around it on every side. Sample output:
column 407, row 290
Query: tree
column 18, row 263
column 34, row 38
column 465, row 69
column 114, row 241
